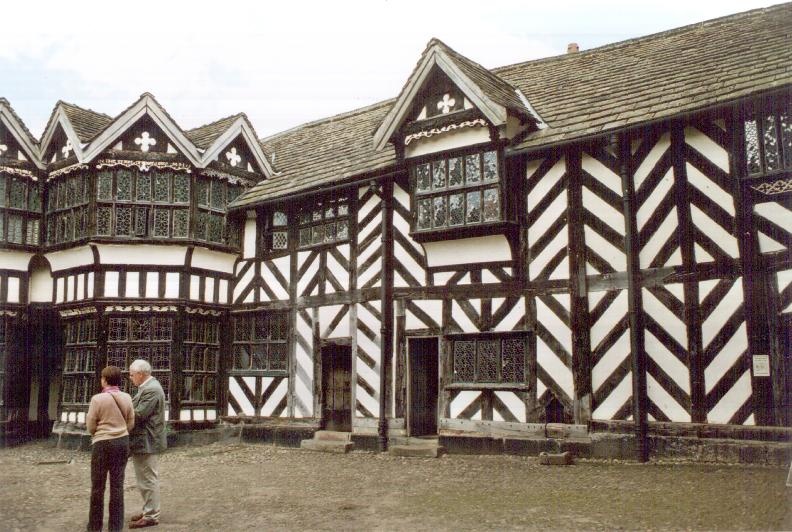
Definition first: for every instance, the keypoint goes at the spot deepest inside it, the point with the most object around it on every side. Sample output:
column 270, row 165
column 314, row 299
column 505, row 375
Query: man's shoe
column 136, row 517
column 143, row 522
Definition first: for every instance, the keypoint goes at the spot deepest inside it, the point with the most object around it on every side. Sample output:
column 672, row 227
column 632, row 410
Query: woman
column 110, row 418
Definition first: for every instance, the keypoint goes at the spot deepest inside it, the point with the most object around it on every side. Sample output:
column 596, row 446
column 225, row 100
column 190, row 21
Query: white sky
column 289, row 62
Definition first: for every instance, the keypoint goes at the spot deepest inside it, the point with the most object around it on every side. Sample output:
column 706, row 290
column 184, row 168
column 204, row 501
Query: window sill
column 465, row 231
column 498, row 386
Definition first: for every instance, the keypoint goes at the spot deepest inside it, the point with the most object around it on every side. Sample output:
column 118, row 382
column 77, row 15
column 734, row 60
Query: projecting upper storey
column 552, row 101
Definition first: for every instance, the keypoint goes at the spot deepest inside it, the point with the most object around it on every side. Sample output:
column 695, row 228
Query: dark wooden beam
column 386, row 298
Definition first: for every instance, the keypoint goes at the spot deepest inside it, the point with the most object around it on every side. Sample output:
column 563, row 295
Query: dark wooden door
column 336, row 388
column 423, row 392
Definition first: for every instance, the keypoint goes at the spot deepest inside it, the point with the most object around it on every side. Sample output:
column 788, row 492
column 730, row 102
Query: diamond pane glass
column 438, row 175
column 279, row 240
column 15, row 229
column 279, row 219
column 424, row 214
column 305, row 236
column 464, row 361
column 104, row 216
column 202, row 192
column 329, row 211
column 180, row 223
column 456, row 209
column 513, row 360
column 752, row 160
column 243, row 328
column 139, row 329
column 330, row 233
column 343, row 208
column 259, row 356
column 261, row 328
column 278, row 357
column 241, row 357
column 143, row 192
column 181, row 188
column 422, row 180
column 491, row 208
column 439, row 204
column 215, row 228
column 201, row 223
column 490, row 161
column 3, row 192
column 772, row 156
column 161, row 187
column 455, row 176
column 278, row 326
column 318, row 234
column 218, row 194
column 786, row 138
column 123, row 221
column 117, row 330
column 472, row 169
column 124, row 185
column 487, row 360
column 16, row 196
column 32, row 236
column 473, row 214
column 161, row 222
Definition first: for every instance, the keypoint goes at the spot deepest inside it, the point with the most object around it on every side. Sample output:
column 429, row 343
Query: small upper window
column 276, row 231
column 768, row 142
column 457, row 191
column 324, row 222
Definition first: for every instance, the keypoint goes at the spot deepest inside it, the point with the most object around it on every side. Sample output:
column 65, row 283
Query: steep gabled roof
column 215, row 136
column 578, row 95
column 204, row 136
column 316, row 154
column 658, row 76
column 86, row 122
column 492, row 95
column 20, row 132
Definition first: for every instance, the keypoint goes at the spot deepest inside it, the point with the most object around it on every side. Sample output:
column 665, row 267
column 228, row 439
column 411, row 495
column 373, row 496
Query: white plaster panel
column 41, row 286
column 665, row 359
column 515, row 405
column 195, row 286
column 277, row 396
column 649, row 162
column 735, row 348
column 111, row 284
column 14, row 260
column 12, row 296
column 707, row 147
column 612, row 315
column 339, row 272
column 432, row 307
column 731, row 400
column 512, row 319
column 767, row 244
column 711, row 228
column 783, row 279
column 603, row 211
column 70, row 288
column 172, row 285
column 223, row 295
column 666, row 230
column 239, row 287
column 152, row 284
column 447, row 141
column 546, row 183
column 667, row 319
column 665, row 402
column 238, row 394
column 462, row 400
column 81, row 286
column 60, row 290
column 602, row 173
column 659, row 193
column 90, row 284
column 725, row 309
column 710, row 188
column 554, row 366
column 209, row 290
column 132, row 284
column 613, row 255
column 776, row 213
column 70, row 258
column 249, row 241
column 554, row 324
column 143, row 254
column 610, row 360
column 608, row 408
column 461, row 319
column 481, row 249
column 213, row 260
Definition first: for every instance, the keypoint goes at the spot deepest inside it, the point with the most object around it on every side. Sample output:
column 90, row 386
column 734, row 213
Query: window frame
column 252, row 342
column 465, row 228
column 320, row 204
column 27, row 217
column 758, row 112
column 499, row 382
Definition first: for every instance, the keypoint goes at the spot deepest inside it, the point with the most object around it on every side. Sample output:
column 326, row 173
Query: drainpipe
column 386, row 298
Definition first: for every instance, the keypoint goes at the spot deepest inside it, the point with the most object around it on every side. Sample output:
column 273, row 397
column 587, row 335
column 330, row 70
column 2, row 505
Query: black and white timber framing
column 570, row 240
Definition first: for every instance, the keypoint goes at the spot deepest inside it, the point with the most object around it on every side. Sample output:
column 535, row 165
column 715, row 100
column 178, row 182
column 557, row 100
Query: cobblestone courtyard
column 230, row 486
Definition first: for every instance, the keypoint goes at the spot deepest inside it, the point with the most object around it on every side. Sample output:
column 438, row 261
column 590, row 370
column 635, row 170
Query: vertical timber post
column 634, row 300
column 386, row 297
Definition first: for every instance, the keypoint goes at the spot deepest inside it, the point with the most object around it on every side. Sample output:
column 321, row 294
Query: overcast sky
column 290, row 62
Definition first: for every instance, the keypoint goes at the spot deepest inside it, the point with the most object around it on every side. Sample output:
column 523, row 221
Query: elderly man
column 147, row 440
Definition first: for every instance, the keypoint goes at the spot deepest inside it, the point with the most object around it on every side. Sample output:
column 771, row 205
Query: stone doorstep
column 327, row 446
column 332, row 435
column 415, row 447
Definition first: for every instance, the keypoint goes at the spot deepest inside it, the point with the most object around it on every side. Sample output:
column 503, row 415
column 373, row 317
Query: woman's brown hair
column 112, row 375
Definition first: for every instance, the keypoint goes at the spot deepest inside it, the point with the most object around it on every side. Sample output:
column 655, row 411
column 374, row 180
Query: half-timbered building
column 599, row 239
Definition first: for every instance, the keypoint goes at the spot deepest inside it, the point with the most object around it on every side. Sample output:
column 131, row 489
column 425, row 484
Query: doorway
column 336, row 387
column 423, row 380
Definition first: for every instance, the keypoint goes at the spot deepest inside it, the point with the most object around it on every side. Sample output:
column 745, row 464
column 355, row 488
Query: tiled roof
column 327, row 151
column 86, row 123
column 657, row 76
column 578, row 95
column 205, row 135
column 7, row 105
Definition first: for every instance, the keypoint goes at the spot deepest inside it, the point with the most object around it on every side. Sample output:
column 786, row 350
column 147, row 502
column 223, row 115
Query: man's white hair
column 140, row 366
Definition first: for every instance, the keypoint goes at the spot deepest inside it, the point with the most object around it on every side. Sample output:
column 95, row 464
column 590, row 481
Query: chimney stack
column 572, row 48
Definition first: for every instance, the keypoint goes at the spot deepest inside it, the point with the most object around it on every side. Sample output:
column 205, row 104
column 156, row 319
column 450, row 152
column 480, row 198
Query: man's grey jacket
column 148, row 435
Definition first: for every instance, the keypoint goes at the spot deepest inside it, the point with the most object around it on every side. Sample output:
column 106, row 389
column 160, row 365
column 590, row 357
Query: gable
column 237, row 154
column 59, row 146
column 16, row 142
column 438, row 96
column 10, row 149
column 143, row 136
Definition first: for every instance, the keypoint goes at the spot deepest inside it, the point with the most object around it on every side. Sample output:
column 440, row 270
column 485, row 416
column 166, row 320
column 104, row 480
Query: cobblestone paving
column 230, row 486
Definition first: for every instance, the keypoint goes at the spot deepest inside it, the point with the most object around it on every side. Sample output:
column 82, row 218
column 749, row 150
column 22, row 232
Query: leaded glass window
column 181, row 188
column 768, row 142
column 143, row 192
column 260, row 342
column 494, row 358
column 161, row 187
column 457, row 191
column 20, row 210
column 141, row 336
column 324, row 222
column 180, row 223
column 79, row 361
column 124, row 185
column 161, row 222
